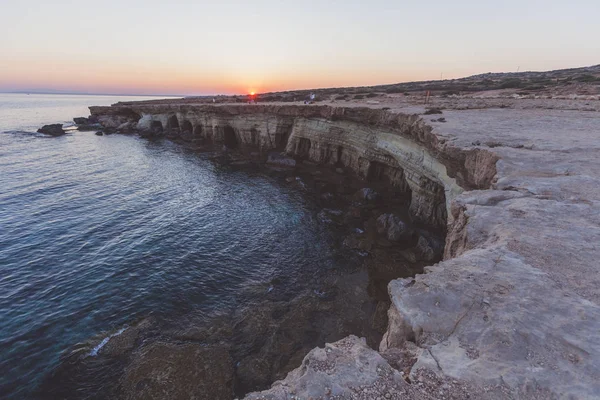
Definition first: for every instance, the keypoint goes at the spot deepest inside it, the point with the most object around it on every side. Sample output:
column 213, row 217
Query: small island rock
column 52, row 130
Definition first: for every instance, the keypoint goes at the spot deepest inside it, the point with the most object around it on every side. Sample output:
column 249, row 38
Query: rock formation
column 513, row 310
column 52, row 130
column 375, row 144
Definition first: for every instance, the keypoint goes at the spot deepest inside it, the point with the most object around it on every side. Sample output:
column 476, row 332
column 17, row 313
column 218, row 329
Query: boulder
column 52, row 130
column 393, row 228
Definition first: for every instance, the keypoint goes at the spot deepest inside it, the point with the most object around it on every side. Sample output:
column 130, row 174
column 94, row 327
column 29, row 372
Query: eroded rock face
column 375, row 144
column 516, row 299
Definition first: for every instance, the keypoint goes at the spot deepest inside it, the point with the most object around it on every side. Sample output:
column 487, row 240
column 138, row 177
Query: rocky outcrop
column 52, row 130
column 349, row 369
column 513, row 309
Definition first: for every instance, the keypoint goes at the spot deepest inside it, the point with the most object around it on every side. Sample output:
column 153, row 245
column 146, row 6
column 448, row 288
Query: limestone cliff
column 373, row 143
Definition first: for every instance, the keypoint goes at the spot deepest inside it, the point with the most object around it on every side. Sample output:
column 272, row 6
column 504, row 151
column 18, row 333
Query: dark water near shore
column 116, row 249
column 98, row 231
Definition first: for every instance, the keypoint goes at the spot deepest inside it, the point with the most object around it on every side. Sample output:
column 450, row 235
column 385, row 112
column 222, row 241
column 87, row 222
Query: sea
column 100, row 231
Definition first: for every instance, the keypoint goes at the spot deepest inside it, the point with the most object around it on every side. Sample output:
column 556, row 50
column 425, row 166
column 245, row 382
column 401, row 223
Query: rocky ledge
column 513, row 309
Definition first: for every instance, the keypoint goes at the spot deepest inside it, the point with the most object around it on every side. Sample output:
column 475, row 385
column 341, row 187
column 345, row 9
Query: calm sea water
column 98, row 231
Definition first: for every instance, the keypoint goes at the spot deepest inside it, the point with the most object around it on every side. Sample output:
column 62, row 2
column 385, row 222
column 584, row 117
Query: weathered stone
column 429, row 248
column 336, row 370
column 81, row 120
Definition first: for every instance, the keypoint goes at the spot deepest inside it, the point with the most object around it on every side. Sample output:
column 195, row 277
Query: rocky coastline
column 511, row 310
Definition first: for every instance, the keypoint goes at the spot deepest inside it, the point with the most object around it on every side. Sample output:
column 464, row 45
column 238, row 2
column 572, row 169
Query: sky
column 227, row 46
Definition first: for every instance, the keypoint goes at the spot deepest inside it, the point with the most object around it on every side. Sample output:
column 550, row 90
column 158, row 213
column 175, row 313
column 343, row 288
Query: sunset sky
column 227, row 46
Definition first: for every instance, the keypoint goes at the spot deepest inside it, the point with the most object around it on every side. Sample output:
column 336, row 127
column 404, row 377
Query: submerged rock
column 86, row 124
column 52, row 130
column 253, row 373
column 171, row 371
column 280, row 160
column 393, row 228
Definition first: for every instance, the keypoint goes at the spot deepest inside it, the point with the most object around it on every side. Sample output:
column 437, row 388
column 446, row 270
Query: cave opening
column 186, row 127
column 156, row 126
column 340, row 152
column 282, row 135
column 389, row 175
column 198, row 131
column 230, row 138
column 376, row 172
column 173, row 123
column 303, row 149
